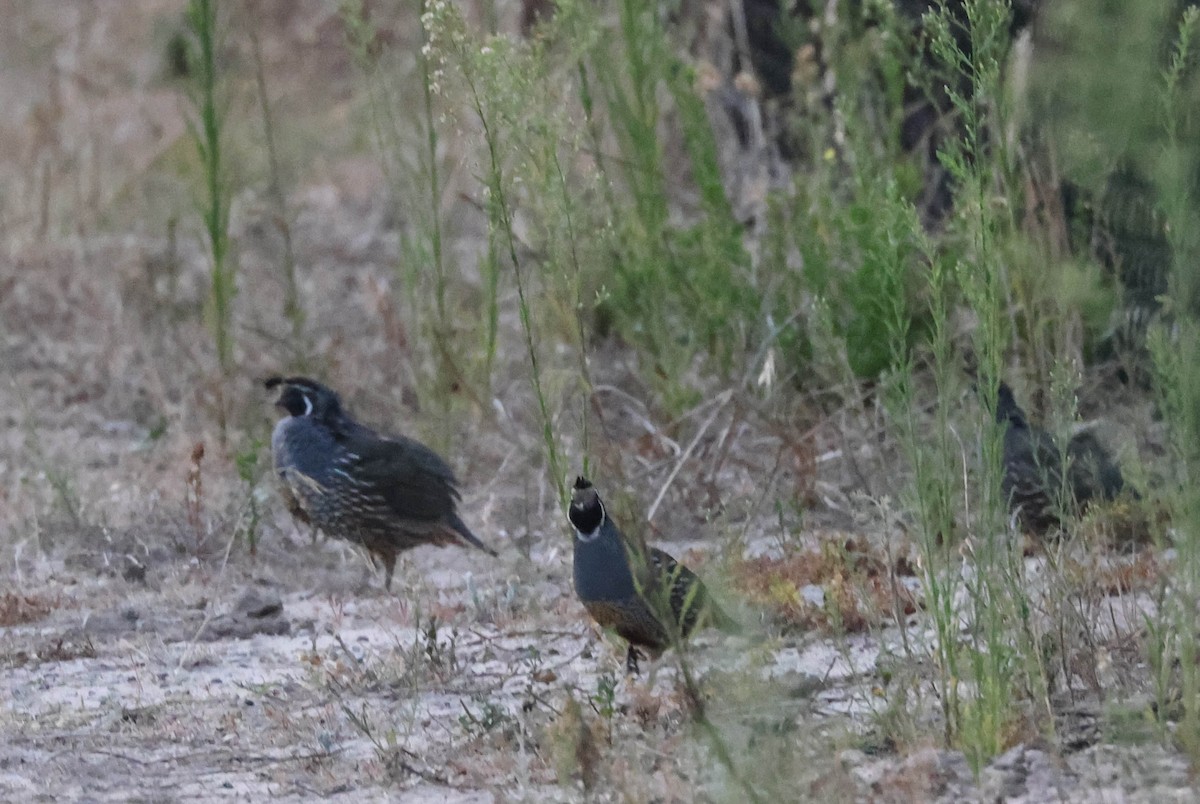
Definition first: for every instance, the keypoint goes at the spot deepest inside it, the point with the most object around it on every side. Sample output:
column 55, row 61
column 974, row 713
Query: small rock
column 926, row 774
column 1024, row 771
column 256, row 612
column 135, row 571
column 259, row 604
column 112, row 623
column 228, row 626
column 1005, row 777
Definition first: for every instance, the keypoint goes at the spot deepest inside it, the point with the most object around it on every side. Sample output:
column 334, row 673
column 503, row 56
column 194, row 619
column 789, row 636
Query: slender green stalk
column 408, row 143
column 1006, row 658
column 434, row 184
column 585, row 373
column 53, row 470
column 1176, row 353
column 293, row 311
column 595, row 139
column 503, row 209
column 715, row 739
column 930, row 447
column 206, row 130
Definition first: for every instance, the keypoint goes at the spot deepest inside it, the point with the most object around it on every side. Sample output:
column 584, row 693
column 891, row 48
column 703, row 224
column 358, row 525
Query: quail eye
column 308, row 405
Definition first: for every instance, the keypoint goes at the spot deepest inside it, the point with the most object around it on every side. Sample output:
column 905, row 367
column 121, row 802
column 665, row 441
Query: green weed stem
column 206, row 131
column 498, row 198
column 293, row 311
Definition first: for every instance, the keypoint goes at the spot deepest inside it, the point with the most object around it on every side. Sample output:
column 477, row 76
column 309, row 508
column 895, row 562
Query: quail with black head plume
column 386, row 493
column 651, row 601
column 1033, row 469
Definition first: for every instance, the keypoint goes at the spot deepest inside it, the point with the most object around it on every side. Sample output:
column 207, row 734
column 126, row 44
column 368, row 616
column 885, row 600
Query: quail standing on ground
column 1033, row 473
column 388, row 494
column 651, row 602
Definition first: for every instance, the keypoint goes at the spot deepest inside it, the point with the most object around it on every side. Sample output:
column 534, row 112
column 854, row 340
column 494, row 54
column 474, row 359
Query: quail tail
column 460, row 527
column 722, row 621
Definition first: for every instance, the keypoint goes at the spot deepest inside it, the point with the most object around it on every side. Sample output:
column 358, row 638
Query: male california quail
column 652, row 606
column 388, row 494
column 1033, row 473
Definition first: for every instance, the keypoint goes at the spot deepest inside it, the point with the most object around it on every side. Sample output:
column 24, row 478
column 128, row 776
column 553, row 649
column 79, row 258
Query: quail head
column 1033, row 469
column 386, row 493
column 1032, row 478
column 651, row 601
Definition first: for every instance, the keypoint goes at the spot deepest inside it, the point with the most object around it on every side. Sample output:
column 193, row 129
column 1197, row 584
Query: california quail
column 1033, row 473
column 1091, row 472
column 652, row 606
column 1032, row 479
column 388, row 494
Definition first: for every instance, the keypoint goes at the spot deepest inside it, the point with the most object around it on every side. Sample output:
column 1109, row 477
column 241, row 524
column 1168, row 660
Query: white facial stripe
column 307, row 404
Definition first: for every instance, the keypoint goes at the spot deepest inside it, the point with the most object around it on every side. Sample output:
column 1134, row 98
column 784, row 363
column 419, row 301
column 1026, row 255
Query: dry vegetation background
column 167, row 632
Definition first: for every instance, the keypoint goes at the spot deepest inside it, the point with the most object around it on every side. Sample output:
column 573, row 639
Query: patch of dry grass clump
column 852, row 589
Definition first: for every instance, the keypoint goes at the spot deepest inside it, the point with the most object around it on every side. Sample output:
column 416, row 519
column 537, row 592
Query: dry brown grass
column 19, row 609
column 861, row 592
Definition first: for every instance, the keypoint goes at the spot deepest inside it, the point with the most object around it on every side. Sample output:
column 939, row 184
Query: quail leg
column 631, row 661
column 388, row 557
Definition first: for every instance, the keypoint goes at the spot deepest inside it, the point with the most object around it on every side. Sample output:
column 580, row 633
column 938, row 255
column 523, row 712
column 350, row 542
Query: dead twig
column 718, row 405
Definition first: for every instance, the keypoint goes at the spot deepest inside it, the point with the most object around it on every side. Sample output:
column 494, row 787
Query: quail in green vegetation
column 1092, row 474
column 1033, row 469
column 386, row 493
column 651, row 601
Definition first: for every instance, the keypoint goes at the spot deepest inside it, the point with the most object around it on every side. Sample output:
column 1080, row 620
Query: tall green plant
column 293, row 310
column 1005, row 659
column 1176, row 353
column 433, row 185
column 832, row 218
column 409, row 146
column 930, row 446
column 676, row 291
column 520, row 140
column 206, row 127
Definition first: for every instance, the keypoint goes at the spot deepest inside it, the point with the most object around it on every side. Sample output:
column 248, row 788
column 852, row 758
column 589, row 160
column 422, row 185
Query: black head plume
column 1007, row 409
column 301, row 396
column 586, row 512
